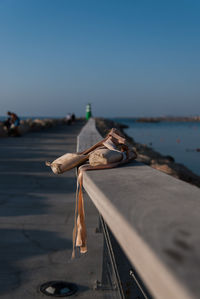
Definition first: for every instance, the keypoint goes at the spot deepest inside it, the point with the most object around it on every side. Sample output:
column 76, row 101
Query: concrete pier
column 154, row 218
column 37, row 216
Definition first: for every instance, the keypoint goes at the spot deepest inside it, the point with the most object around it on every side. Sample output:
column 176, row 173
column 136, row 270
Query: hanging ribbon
column 79, row 231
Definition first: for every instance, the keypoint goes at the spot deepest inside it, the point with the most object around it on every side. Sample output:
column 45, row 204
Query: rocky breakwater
column 33, row 125
column 150, row 157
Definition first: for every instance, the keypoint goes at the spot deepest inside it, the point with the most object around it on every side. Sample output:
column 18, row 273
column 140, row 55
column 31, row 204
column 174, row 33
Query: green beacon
column 88, row 111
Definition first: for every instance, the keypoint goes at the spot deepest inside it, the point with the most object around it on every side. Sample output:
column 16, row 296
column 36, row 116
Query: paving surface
column 37, row 215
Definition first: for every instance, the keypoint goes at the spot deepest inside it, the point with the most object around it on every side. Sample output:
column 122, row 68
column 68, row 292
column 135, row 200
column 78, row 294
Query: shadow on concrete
column 19, row 245
column 32, row 154
column 26, row 165
column 29, row 188
column 37, row 183
column 22, row 204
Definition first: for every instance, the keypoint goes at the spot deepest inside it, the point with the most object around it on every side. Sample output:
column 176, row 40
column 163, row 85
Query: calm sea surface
column 177, row 139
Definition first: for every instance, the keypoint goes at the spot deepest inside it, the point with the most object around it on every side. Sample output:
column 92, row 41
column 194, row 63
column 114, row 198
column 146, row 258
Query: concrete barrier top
column 155, row 219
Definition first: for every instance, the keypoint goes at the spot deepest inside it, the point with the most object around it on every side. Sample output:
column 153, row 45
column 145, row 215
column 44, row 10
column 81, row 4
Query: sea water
column 177, row 139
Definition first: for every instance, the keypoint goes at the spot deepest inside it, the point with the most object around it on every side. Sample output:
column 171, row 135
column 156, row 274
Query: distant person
column 13, row 123
column 7, row 124
column 73, row 118
column 69, row 119
column 88, row 111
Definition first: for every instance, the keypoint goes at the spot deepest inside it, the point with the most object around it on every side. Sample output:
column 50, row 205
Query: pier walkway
column 37, row 215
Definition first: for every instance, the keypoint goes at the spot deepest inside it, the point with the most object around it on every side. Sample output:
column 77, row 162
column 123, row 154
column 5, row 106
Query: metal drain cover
column 58, row 288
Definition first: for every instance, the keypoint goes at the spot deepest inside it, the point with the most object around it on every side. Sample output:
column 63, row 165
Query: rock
column 150, row 157
column 164, row 168
column 30, row 125
column 143, row 158
column 170, row 158
column 105, row 125
column 24, row 127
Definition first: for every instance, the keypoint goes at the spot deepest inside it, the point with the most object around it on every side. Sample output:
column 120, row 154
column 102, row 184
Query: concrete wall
column 155, row 219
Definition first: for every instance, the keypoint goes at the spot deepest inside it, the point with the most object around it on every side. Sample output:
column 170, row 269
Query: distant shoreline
column 137, row 119
column 169, row 119
column 158, row 119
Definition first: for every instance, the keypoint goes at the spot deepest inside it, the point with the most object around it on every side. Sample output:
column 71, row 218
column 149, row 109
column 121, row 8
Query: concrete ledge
column 155, row 219
column 88, row 136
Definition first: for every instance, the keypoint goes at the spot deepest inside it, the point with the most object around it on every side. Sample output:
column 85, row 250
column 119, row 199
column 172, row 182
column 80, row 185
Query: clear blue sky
column 126, row 57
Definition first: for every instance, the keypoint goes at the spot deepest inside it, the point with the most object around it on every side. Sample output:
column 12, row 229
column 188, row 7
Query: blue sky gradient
column 127, row 58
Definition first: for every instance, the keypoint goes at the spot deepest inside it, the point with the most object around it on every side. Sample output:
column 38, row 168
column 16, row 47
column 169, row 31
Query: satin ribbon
column 79, row 231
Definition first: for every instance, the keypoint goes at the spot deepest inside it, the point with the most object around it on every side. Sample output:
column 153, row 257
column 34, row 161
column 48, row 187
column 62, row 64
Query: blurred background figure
column 69, row 118
column 88, row 111
column 7, row 124
column 12, row 124
column 73, row 118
